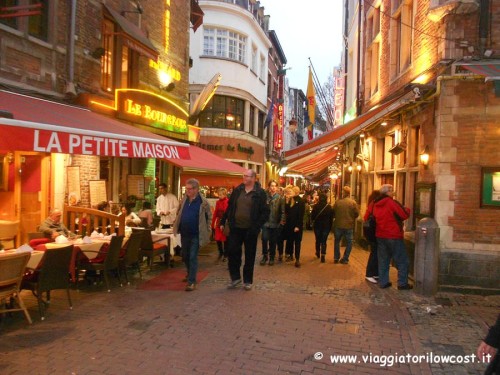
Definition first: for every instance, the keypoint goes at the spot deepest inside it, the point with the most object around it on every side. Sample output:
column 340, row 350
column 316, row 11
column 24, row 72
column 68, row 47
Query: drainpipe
column 484, row 21
column 70, row 90
column 358, row 70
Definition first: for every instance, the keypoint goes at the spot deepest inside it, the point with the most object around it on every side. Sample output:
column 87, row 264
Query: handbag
column 369, row 228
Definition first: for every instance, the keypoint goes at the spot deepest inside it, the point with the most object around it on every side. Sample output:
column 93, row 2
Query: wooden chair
column 132, row 253
column 11, row 274
column 150, row 249
column 106, row 261
column 52, row 274
column 8, row 233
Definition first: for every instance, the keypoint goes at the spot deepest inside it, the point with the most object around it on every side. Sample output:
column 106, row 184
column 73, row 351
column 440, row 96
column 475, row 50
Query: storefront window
column 223, row 112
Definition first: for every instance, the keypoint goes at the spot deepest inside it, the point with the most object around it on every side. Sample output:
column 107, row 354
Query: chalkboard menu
column 73, row 185
column 97, row 190
column 135, row 185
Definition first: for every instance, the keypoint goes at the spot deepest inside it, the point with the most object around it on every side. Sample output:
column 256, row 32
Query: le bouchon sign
column 150, row 109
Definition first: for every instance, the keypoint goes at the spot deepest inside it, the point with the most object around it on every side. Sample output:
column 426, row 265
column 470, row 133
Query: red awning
column 322, row 143
column 45, row 126
column 203, row 161
column 488, row 68
column 313, row 163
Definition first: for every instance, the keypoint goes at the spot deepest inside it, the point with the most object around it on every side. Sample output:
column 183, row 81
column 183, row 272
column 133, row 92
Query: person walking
column 167, row 206
column 488, row 349
column 273, row 226
column 246, row 213
column 345, row 212
column 294, row 224
column 371, row 273
column 389, row 216
column 322, row 219
column 219, row 237
column 193, row 224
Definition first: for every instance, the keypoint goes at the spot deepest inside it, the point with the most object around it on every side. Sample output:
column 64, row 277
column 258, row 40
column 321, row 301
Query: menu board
column 97, row 189
column 73, row 185
column 135, row 185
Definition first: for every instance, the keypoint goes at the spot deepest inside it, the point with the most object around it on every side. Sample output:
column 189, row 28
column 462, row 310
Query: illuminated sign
column 143, row 107
column 166, row 68
column 338, row 98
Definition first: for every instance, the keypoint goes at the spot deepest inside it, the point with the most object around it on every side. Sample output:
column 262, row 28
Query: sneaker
column 271, row 262
column 234, row 284
column 335, row 261
column 190, row 287
column 371, row 279
column 405, row 287
column 263, row 260
column 344, row 261
column 385, row 286
column 322, row 259
column 248, row 286
column 297, row 263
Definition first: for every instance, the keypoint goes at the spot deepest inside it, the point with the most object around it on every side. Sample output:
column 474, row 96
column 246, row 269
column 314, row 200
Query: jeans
column 321, row 235
column 242, row 237
column 190, row 248
column 339, row 233
column 269, row 241
column 388, row 248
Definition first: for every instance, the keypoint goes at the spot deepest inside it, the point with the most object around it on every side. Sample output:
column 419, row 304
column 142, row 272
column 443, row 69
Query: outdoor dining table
column 35, row 258
column 167, row 237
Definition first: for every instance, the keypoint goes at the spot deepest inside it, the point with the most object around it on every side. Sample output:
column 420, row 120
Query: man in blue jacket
column 246, row 213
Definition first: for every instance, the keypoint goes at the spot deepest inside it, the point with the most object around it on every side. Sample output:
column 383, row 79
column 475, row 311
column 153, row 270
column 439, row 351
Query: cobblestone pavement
column 294, row 321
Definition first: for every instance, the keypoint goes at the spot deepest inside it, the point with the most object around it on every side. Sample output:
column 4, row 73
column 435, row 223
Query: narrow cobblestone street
column 294, row 321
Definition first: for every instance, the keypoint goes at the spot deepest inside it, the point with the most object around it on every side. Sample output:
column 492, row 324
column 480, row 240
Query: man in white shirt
column 167, row 205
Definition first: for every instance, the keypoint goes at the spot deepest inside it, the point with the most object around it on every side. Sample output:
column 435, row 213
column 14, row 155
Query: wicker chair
column 132, row 253
column 104, row 262
column 52, row 274
column 11, row 274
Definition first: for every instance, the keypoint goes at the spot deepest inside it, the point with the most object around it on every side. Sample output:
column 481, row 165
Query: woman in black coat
column 294, row 224
column 322, row 219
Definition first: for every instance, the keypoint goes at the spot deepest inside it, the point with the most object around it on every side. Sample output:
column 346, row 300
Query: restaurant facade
column 94, row 106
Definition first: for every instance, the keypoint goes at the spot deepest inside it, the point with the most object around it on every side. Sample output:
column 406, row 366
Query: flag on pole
column 311, row 105
column 270, row 113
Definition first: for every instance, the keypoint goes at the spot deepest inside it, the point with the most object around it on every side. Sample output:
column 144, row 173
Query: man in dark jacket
column 246, row 213
column 389, row 216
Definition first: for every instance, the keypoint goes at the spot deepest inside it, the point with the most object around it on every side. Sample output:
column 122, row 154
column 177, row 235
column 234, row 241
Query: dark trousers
column 372, row 265
column 321, row 236
column 242, row 237
column 293, row 242
column 269, row 241
column 222, row 247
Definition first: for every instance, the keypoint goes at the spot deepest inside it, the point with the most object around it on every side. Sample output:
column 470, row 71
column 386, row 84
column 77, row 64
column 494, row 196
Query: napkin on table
column 24, row 248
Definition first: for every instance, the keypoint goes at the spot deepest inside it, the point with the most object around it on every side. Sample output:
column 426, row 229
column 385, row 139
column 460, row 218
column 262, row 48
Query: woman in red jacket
column 389, row 216
column 220, row 208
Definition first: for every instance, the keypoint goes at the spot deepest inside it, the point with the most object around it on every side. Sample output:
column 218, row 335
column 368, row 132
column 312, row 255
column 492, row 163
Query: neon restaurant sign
column 146, row 108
